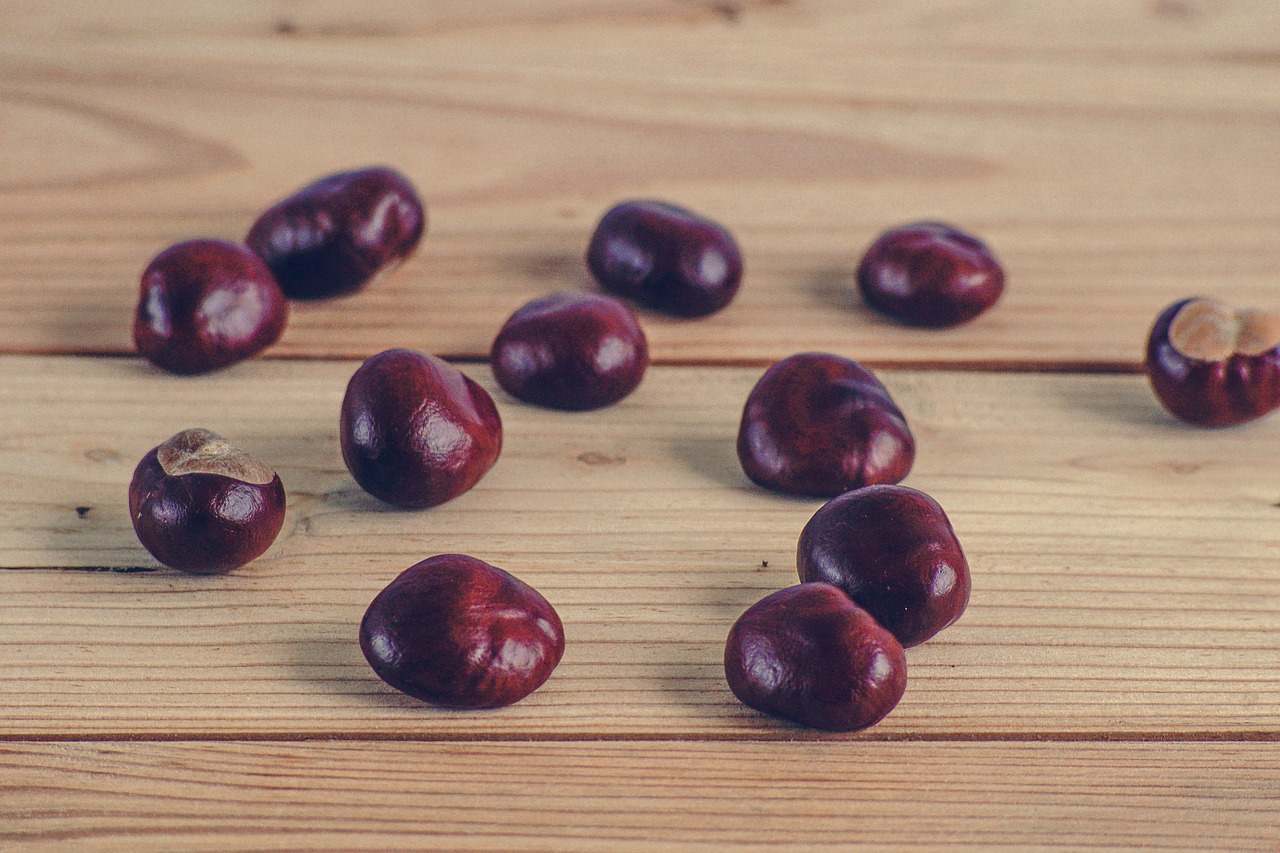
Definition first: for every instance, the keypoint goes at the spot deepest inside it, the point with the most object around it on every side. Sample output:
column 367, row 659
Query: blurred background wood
column 1116, row 155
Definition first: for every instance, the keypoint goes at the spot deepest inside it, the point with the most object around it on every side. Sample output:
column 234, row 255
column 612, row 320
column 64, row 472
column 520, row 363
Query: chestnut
column 892, row 550
column 930, row 274
column 206, row 304
column 202, row 505
column 818, row 425
column 332, row 237
column 574, row 351
column 665, row 257
column 416, row 431
column 457, row 632
column 1214, row 365
column 810, row 655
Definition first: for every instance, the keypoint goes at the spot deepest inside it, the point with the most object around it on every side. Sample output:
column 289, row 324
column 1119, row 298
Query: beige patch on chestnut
column 1209, row 330
column 202, row 451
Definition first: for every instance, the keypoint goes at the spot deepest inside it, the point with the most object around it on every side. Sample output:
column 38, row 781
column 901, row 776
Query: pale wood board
column 639, row 796
column 1116, row 155
column 1125, row 572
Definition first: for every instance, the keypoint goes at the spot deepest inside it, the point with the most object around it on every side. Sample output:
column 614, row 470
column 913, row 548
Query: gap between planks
column 786, row 733
column 992, row 365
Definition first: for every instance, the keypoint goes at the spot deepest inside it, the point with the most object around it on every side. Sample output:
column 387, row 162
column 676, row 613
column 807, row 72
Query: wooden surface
column 1116, row 154
column 1115, row 682
column 682, row 796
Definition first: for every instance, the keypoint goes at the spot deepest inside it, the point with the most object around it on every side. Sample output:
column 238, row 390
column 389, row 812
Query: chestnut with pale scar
column 1211, row 364
column 203, row 506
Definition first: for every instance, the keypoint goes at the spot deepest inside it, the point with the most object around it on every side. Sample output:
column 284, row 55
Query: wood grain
column 1115, row 682
column 1115, row 154
column 1125, row 580
column 639, row 796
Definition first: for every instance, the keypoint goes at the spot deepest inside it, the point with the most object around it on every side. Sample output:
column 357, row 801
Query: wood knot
column 1174, row 9
column 102, row 455
column 730, row 12
column 592, row 457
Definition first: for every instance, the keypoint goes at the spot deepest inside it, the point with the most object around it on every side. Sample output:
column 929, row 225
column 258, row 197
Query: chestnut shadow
column 351, row 498
column 698, row 680
column 701, row 674
column 1130, row 402
column 326, row 659
column 87, row 528
column 715, row 459
column 94, row 535
column 556, row 270
column 835, row 287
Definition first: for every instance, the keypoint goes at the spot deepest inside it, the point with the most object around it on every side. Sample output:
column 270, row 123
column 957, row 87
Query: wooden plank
column 639, row 796
column 1125, row 572
column 1110, row 152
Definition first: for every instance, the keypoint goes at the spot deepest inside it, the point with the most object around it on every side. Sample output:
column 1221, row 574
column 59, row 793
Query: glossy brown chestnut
column 818, row 425
column 206, row 304
column 665, row 257
column 332, row 237
column 574, row 351
column 460, row 633
column 893, row 551
column 415, row 430
column 810, row 655
column 202, row 505
column 1214, row 365
column 930, row 274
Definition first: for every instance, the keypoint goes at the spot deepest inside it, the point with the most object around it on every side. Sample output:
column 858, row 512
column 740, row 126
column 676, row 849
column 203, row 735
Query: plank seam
column 787, row 736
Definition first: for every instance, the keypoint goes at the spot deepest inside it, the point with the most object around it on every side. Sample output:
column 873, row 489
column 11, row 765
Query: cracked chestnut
column 893, row 551
column 457, row 632
column 203, row 506
column 573, row 351
column 1214, row 365
column 415, row 430
column 207, row 304
column 332, row 237
column 930, row 274
column 818, row 425
column 665, row 257
column 810, row 655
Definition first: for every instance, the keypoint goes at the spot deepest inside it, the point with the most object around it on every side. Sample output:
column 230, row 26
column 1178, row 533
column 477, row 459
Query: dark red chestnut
column 206, row 304
column 201, row 505
column 332, row 237
column 930, row 274
column 1213, row 365
column 573, row 351
column 457, row 632
column 415, row 430
column 818, row 425
column 892, row 550
column 665, row 257
column 810, row 655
